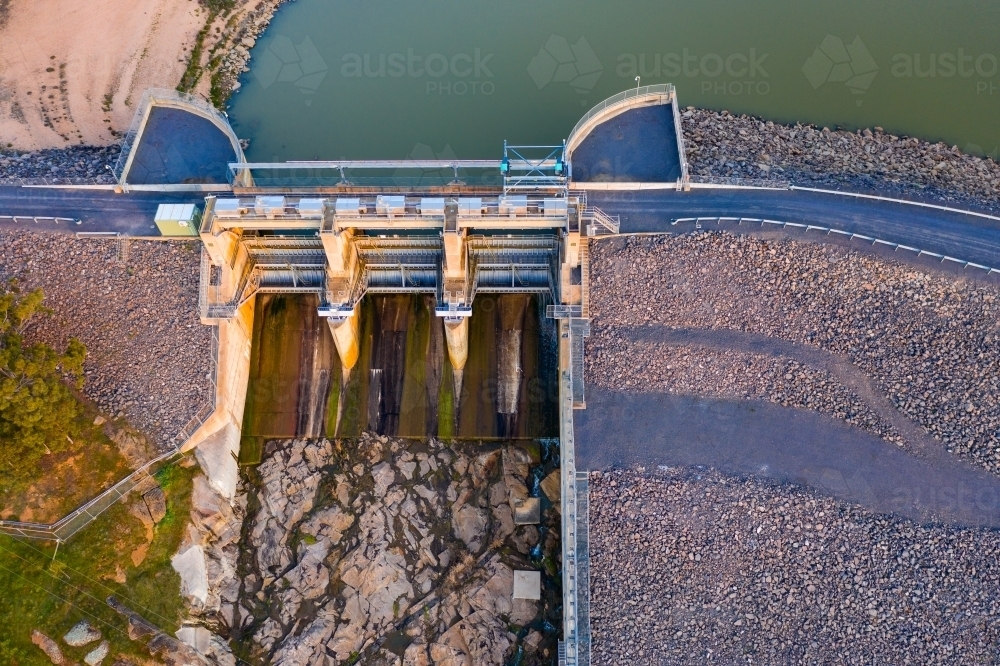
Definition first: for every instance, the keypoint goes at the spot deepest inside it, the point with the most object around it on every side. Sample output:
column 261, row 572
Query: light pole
column 637, row 80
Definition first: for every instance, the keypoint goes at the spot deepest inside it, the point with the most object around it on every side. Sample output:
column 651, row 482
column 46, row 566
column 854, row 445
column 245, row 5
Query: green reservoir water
column 388, row 79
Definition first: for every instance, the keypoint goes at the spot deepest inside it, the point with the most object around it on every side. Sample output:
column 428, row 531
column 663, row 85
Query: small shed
column 177, row 219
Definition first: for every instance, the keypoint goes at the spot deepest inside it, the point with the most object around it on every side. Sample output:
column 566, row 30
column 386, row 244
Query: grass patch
column 64, row 479
column 193, row 70
column 50, row 594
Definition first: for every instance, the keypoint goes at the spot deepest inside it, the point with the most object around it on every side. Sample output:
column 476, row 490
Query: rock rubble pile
column 691, row 567
column 149, row 358
column 241, row 38
column 392, row 552
column 89, row 163
column 927, row 341
column 723, row 145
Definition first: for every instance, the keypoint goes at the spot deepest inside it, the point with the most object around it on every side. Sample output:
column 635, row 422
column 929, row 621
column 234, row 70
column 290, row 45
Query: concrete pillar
column 453, row 269
column 457, row 335
column 569, row 289
column 347, row 337
column 342, row 264
column 225, row 252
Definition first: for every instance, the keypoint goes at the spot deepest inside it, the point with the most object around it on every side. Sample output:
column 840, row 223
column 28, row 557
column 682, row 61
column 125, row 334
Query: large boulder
column 469, row 525
column 190, row 564
column 82, row 633
column 48, row 646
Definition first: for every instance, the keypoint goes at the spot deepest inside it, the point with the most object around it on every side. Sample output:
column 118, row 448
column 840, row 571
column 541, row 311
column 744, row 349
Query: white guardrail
column 840, row 232
column 36, row 219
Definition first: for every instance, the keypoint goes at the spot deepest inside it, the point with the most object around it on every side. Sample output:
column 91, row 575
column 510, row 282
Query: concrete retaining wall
column 217, row 441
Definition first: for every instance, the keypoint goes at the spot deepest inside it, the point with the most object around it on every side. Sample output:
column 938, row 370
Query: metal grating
column 582, row 568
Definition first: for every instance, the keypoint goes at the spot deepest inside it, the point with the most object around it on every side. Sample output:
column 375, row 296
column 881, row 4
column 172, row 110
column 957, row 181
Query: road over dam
column 969, row 237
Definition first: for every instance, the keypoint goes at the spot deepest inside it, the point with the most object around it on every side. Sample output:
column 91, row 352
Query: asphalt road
column 958, row 235
column 961, row 236
column 97, row 210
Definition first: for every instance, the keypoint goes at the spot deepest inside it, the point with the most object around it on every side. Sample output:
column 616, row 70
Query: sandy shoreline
column 73, row 74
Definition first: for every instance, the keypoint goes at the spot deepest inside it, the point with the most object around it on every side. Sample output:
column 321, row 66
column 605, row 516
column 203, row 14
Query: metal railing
column 600, row 222
column 37, row 219
column 170, row 97
column 735, row 181
column 624, row 97
column 574, row 647
column 583, row 568
column 840, row 232
column 679, row 133
column 64, row 528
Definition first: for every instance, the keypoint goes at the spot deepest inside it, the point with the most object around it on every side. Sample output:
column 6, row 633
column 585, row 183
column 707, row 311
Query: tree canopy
column 38, row 409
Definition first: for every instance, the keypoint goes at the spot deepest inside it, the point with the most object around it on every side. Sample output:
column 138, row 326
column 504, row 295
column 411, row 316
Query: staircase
column 599, row 223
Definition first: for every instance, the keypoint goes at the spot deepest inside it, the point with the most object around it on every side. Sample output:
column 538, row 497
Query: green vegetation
column 38, row 410
column 51, row 594
column 52, row 454
column 193, row 70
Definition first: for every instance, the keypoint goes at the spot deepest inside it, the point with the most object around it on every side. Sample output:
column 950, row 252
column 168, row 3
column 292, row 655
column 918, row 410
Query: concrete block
column 527, row 511
column 527, row 585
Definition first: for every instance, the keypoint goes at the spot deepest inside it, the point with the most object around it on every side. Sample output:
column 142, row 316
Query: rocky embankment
column 693, row 567
column 149, row 358
column 235, row 56
column 380, row 551
column 79, row 163
column 723, row 145
column 927, row 341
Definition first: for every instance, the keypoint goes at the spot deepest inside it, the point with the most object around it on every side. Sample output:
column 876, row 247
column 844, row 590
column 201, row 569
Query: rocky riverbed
column 723, row 145
column 926, row 341
column 149, row 358
column 381, row 551
column 692, row 567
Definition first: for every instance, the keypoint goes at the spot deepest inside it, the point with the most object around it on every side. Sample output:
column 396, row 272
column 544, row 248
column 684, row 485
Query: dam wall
column 217, row 441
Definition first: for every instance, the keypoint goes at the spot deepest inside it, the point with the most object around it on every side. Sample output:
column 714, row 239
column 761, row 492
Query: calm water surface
column 332, row 79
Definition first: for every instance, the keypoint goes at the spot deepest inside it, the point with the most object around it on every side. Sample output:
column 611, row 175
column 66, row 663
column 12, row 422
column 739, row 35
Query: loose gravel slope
column 148, row 355
column 691, row 567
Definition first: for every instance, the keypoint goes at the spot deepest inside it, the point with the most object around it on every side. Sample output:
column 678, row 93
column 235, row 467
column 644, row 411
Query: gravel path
column 927, row 341
column 719, row 144
column 691, row 567
column 148, row 355
column 681, row 365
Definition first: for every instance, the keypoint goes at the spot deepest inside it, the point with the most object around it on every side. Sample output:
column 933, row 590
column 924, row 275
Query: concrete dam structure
column 339, row 235
column 466, row 279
